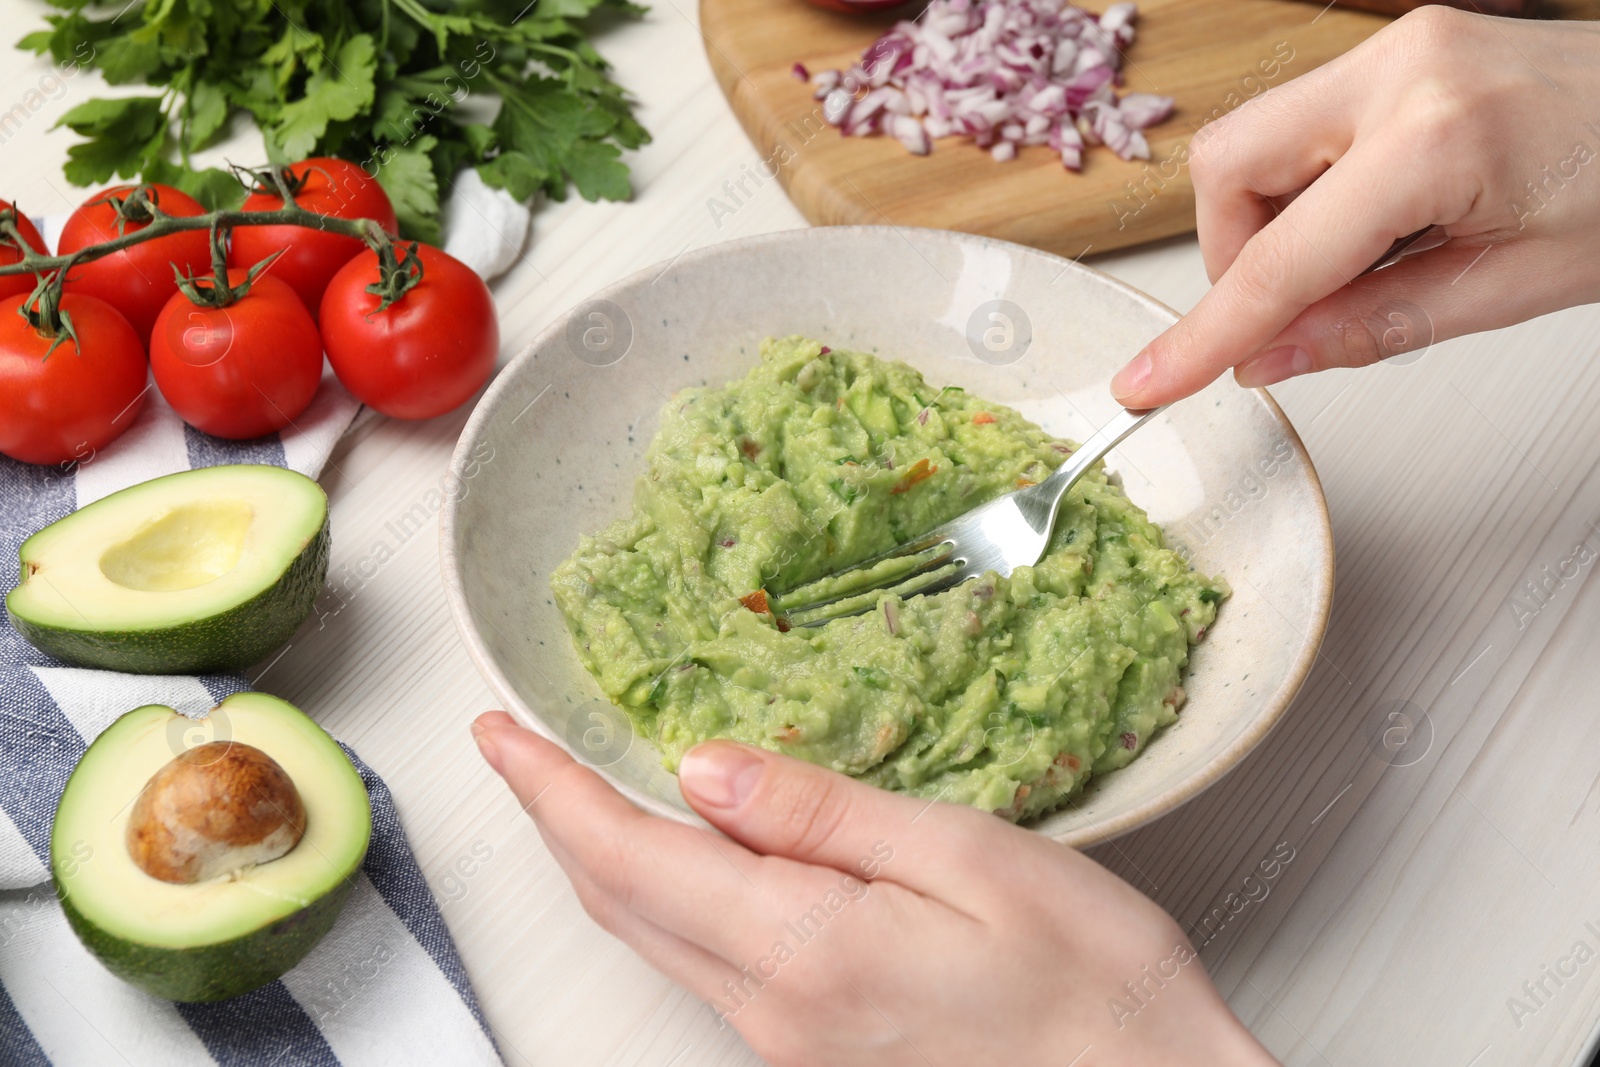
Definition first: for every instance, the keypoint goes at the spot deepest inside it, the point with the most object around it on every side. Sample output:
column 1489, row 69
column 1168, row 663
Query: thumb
column 776, row 805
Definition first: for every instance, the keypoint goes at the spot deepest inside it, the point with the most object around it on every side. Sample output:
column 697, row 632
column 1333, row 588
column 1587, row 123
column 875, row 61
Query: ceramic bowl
column 553, row 449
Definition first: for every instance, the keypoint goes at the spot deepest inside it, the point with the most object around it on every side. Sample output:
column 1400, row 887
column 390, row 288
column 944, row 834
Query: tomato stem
column 273, row 180
column 216, row 291
column 43, row 312
column 397, row 274
column 141, row 205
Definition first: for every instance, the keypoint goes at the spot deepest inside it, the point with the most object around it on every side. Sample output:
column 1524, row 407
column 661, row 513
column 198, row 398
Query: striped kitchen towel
column 386, row 985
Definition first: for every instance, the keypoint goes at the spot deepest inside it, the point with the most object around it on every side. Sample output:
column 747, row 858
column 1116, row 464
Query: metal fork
column 1006, row 533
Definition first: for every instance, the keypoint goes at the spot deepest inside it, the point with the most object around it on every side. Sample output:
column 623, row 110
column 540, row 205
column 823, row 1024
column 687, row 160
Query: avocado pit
column 212, row 810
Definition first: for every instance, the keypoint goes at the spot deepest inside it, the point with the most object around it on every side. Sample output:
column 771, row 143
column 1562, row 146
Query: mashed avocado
column 1006, row 694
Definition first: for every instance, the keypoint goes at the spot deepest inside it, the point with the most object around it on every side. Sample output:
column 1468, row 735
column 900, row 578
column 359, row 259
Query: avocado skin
column 212, row 972
column 229, row 641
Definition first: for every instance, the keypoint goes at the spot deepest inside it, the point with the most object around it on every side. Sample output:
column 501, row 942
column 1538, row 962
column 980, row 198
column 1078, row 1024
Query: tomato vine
column 399, row 270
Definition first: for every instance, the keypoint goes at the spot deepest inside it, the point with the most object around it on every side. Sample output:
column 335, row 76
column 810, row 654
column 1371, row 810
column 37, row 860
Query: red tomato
column 427, row 352
column 18, row 284
column 238, row 371
column 332, row 187
column 78, row 400
column 136, row 281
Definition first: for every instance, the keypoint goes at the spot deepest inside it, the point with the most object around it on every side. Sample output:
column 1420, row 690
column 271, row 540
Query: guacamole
column 1004, row 693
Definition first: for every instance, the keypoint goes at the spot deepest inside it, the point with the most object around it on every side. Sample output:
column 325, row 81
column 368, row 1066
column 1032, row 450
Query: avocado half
column 205, row 570
column 232, row 933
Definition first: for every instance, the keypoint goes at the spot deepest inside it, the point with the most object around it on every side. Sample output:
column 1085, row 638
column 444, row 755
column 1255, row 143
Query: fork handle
column 1038, row 504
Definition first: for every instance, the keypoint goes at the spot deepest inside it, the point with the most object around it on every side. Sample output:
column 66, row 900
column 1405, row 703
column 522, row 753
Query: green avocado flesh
column 205, row 570
column 230, row 934
column 1006, row 694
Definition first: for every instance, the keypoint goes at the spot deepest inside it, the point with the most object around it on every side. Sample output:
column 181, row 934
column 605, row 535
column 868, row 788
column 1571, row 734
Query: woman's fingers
column 1272, row 147
column 780, row 806
column 1461, row 288
column 1318, row 244
column 691, row 966
column 685, row 880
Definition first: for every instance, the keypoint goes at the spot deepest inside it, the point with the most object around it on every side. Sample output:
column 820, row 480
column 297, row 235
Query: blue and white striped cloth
column 386, row 985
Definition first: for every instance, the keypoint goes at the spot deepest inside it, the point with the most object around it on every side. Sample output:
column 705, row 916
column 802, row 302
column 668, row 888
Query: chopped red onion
column 909, row 132
column 1142, row 110
column 1005, row 73
column 837, row 106
column 800, row 72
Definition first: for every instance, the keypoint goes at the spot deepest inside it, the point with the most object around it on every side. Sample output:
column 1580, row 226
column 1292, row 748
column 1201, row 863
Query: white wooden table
column 1426, row 887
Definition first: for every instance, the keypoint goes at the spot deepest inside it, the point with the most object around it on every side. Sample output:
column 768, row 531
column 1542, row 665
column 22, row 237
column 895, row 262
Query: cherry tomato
column 79, row 399
column 137, row 281
column 423, row 355
column 18, row 284
column 311, row 257
column 238, row 371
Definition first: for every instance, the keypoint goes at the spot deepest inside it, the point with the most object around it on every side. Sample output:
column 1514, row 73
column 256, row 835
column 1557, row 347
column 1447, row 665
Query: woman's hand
column 844, row 925
column 1487, row 127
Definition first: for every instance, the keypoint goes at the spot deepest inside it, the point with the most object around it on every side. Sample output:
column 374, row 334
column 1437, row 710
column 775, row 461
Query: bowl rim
column 1085, row 836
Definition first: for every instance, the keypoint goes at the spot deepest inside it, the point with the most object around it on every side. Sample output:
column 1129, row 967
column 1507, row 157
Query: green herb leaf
column 96, row 118
column 208, row 113
column 515, row 173
column 597, row 170
column 130, row 59
column 382, row 84
column 121, row 133
column 341, row 88
column 567, row 9
column 407, row 176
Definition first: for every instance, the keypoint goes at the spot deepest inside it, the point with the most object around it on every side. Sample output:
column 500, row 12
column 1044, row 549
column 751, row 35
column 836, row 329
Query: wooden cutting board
column 1210, row 55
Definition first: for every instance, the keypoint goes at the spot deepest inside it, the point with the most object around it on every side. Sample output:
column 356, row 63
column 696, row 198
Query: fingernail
column 1273, row 366
column 1130, row 379
column 486, row 746
column 722, row 776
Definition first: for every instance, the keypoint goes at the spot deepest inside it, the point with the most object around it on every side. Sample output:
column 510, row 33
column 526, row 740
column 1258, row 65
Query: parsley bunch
column 406, row 88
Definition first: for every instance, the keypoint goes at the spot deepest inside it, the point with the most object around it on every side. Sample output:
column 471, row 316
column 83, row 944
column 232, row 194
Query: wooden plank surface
column 1419, row 899
column 1209, row 55
column 1430, row 883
